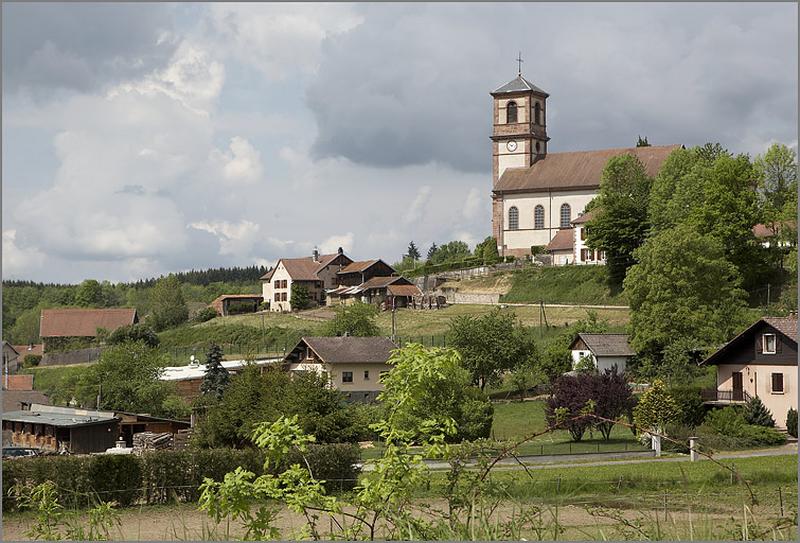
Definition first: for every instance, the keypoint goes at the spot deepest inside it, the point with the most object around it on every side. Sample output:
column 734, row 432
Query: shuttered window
column 769, row 343
column 777, row 383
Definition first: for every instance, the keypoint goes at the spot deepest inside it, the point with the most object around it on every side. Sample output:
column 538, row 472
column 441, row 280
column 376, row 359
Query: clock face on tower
column 511, row 146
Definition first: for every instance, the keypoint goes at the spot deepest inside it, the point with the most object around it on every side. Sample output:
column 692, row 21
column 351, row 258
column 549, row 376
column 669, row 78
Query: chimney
column 315, row 254
column 340, row 251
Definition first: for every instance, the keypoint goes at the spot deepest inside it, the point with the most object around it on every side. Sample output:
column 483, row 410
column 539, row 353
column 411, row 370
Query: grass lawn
column 563, row 284
column 417, row 323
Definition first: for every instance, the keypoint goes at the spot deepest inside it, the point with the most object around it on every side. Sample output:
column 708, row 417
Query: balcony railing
column 725, row 396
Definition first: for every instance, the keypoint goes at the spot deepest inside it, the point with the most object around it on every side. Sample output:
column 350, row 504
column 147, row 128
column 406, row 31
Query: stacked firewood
column 151, row 441
column 181, row 439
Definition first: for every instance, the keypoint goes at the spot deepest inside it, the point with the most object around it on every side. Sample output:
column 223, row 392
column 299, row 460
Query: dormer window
column 511, row 113
column 769, row 344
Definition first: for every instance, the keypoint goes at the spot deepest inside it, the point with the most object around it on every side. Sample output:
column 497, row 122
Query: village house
column 316, row 273
column 537, row 195
column 761, row 361
column 391, row 292
column 606, row 351
column 352, row 365
column 59, row 327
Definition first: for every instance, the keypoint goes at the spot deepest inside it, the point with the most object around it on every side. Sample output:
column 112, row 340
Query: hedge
column 159, row 477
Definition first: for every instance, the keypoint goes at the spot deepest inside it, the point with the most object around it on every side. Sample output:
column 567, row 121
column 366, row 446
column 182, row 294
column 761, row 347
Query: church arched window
column 537, row 113
column 538, row 217
column 566, row 213
column 513, row 218
column 511, row 112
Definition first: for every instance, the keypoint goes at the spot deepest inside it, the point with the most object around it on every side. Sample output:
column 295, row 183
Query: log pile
column 181, row 439
column 151, row 441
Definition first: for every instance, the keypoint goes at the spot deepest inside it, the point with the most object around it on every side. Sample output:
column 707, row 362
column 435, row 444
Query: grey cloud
column 410, row 85
column 49, row 47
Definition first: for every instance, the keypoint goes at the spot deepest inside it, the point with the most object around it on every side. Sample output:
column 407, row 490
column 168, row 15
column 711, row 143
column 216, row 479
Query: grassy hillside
column 415, row 322
column 563, row 284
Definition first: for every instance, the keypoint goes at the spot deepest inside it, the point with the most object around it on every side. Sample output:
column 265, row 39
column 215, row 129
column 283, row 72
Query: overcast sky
column 140, row 139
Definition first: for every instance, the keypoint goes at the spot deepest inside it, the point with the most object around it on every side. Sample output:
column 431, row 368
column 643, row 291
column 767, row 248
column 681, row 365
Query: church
column 539, row 198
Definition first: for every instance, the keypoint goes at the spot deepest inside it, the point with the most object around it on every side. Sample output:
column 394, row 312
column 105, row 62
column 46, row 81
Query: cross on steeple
column 519, row 63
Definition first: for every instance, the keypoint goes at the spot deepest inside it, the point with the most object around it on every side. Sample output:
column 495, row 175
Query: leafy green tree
column 487, row 250
column 254, row 397
column 756, row 412
column 300, row 298
column 26, row 326
column 777, row 189
column 134, row 332
column 491, row 344
column 526, row 376
column 712, row 191
column 682, row 288
column 431, row 385
column 655, row 409
column 216, row 377
column 357, row 319
column 432, row 251
column 451, row 252
column 90, row 294
column 620, row 224
column 168, row 305
column 126, row 378
column 413, row 252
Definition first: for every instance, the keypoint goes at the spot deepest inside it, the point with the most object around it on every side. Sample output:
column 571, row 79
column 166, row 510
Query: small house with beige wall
column 761, row 361
column 353, row 365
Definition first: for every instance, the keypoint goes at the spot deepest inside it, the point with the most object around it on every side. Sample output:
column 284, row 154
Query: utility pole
column 768, row 287
column 394, row 320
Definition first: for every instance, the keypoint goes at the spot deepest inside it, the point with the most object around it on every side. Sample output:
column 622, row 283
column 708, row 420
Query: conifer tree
column 758, row 414
column 216, row 378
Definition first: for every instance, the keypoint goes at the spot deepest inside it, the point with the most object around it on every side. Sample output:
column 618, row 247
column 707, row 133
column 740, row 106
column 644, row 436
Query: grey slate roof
column 63, row 420
column 607, row 344
column 519, row 84
column 333, row 350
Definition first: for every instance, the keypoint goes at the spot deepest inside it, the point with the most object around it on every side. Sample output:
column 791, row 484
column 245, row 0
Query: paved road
column 611, row 459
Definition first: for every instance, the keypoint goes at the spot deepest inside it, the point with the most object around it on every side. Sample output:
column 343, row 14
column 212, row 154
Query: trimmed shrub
column 116, row 478
column 133, row 332
column 791, row 422
column 159, row 477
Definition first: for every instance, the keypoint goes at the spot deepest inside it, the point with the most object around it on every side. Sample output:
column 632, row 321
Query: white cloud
column 473, row 203
column 417, row 208
column 332, row 244
column 235, row 239
column 241, row 163
column 278, row 39
column 17, row 261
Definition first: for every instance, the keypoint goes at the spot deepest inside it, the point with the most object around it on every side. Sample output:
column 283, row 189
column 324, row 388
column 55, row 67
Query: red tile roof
column 585, row 217
column 83, row 322
column 303, row 268
column 404, row 290
column 358, row 266
column 334, row 350
column 24, row 350
column 562, row 241
column 576, row 170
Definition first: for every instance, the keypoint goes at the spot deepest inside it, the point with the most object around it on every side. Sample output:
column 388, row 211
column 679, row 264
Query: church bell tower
column 519, row 135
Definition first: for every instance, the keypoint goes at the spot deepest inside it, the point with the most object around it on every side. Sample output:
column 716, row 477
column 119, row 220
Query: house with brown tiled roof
column 537, row 194
column 315, row 273
column 65, row 324
column 761, row 361
column 353, row 365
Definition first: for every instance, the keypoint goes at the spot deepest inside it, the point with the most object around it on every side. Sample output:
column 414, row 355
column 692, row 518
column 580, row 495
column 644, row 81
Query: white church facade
column 538, row 198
